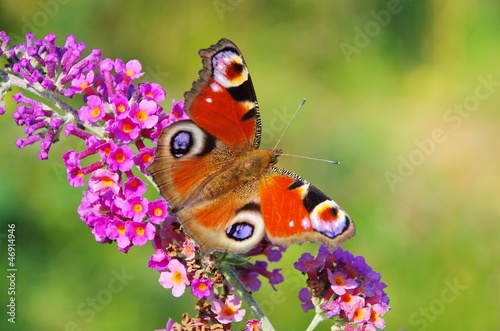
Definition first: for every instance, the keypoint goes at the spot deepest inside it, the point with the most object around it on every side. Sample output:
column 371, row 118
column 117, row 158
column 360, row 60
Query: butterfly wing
column 280, row 205
column 222, row 101
column 295, row 211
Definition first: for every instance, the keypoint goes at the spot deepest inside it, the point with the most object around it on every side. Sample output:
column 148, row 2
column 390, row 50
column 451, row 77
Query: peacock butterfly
column 225, row 191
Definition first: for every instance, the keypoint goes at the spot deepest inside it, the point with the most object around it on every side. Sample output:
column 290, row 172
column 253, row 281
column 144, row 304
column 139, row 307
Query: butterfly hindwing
column 295, row 211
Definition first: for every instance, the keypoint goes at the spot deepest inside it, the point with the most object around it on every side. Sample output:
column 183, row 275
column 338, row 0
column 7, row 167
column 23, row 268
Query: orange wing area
column 287, row 220
column 219, row 114
column 282, row 209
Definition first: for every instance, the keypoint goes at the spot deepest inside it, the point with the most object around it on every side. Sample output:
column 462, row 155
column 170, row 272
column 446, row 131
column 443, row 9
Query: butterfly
column 226, row 192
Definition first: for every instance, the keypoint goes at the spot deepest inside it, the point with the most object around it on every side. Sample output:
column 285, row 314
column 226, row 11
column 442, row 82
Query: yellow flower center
column 158, row 211
column 121, row 229
column 141, row 116
column 339, row 280
column 139, row 230
column 127, row 127
column 228, row 311
column 137, row 209
column 146, row 158
column 96, row 111
column 177, row 277
column 119, row 157
column 107, row 181
column 120, row 108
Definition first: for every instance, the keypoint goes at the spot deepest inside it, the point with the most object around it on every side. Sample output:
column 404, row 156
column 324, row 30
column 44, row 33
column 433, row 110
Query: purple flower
column 134, row 187
column 103, row 180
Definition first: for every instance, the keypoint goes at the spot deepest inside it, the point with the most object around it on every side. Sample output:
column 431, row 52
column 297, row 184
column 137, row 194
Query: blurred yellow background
column 404, row 93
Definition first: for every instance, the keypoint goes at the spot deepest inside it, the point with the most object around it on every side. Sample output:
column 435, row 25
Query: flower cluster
column 117, row 127
column 123, row 116
column 344, row 287
column 119, row 123
column 182, row 266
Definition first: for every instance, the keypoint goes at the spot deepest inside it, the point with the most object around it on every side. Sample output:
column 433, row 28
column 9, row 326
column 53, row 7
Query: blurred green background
column 404, row 93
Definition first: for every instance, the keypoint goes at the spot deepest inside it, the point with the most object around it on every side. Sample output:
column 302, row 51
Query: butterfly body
column 225, row 191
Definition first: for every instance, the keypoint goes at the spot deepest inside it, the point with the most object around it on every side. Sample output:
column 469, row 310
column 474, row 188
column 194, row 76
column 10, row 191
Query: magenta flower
column 144, row 158
column 125, row 130
column 117, row 230
column 201, row 287
column 157, row 212
column 159, row 260
column 119, row 103
column 134, row 187
column 175, row 278
column 136, row 208
column 140, row 232
column 94, row 111
column 228, row 311
column 121, row 158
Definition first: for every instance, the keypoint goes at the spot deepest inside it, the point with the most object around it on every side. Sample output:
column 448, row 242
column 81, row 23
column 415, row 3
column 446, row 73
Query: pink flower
column 94, row 111
column 188, row 249
column 377, row 311
column 103, row 180
column 201, row 287
column 144, row 114
column 116, row 230
column 340, row 282
column 175, row 278
column 136, row 208
column 253, row 325
column 229, row 311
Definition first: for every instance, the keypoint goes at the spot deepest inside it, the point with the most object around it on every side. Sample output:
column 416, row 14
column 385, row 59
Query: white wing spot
column 291, row 224
column 215, row 87
column 208, row 100
column 306, row 224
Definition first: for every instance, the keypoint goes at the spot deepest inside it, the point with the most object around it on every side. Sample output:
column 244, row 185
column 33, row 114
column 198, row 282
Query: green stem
column 318, row 318
column 246, row 296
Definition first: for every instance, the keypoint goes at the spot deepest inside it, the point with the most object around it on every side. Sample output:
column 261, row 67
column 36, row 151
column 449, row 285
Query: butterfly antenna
column 311, row 158
column 290, row 122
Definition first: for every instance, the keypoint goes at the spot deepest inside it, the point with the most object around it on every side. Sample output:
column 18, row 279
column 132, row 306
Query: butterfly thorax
column 247, row 167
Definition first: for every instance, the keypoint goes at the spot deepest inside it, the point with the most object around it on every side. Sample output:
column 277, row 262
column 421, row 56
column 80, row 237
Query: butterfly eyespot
column 240, row 231
column 181, row 143
column 328, row 219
